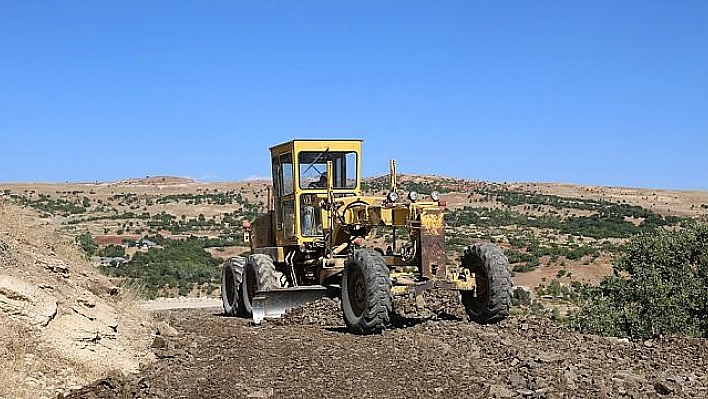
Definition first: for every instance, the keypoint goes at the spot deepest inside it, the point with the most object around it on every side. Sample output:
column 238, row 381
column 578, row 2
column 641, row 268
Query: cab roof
column 317, row 145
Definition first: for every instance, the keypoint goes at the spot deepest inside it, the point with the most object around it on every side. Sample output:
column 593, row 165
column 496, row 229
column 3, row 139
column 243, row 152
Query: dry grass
column 29, row 366
column 23, row 224
column 30, row 369
column 127, row 306
column 18, row 349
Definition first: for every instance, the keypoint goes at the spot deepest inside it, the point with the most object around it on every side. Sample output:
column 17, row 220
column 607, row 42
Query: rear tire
column 259, row 275
column 491, row 269
column 366, row 292
column 231, row 277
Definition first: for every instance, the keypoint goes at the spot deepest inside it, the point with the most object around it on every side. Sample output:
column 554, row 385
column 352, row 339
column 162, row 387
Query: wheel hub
column 357, row 291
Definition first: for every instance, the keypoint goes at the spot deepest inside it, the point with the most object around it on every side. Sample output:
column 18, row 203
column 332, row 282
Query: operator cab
column 300, row 184
column 313, row 169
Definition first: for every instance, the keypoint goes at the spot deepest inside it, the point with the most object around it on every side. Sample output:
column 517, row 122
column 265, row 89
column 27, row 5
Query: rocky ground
column 430, row 351
column 62, row 324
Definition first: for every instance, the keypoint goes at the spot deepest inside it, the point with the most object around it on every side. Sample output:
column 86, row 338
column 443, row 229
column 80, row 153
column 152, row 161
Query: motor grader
column 322, row 236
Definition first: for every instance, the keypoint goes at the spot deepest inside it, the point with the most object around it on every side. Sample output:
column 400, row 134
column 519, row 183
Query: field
column 549, row 231
column 76, row 243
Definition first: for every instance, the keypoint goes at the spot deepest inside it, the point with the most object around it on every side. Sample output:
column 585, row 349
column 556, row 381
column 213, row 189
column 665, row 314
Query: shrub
column 659, row 288
column 520, row 297
column 86, row 243
column 111, row 251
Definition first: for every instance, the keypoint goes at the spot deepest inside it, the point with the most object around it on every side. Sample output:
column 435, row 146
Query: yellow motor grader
column 321, row 236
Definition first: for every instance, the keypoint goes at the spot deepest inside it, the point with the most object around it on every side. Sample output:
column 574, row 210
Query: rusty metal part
column 458, row 279
column 432, row 242
column 404, row 280
column 394, row 260
column 393, row 183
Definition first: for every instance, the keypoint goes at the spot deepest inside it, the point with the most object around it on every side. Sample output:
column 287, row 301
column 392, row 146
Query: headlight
column 413, row 196
column 392, row 196
column 435, row 196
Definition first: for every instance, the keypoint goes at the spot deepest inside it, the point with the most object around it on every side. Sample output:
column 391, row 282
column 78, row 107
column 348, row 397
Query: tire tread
column 495, row 266
column 379, row 304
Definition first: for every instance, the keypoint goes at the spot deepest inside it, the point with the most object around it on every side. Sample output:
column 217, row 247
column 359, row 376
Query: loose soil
column 81, row 327
column 430, row 352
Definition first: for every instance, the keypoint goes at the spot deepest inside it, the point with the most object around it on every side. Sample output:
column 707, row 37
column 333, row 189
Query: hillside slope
column 62, row 324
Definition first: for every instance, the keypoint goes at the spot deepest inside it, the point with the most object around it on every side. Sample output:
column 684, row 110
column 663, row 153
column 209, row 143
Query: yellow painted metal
column 365, row 210
column 432, row 221
column 286, row 227
column 295, row 147
column 462, row 279
column 290, row 232
column 373, row 211
column 330, row 179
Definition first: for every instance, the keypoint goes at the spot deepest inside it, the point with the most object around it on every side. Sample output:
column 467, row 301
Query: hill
column 548, row 230
column 62, row 323
column 59, row 308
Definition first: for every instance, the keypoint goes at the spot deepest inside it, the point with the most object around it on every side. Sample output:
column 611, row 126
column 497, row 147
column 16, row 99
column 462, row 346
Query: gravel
column 429, row 351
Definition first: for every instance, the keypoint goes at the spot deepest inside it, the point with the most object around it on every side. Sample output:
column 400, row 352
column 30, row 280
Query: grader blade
column 274, row 303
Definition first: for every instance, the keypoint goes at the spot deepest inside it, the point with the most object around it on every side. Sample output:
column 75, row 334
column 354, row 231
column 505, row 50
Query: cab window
column 286, row 162
column 313, row 169
column 283, row 186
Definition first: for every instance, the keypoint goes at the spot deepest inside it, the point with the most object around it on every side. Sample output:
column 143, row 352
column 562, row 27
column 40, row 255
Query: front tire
column 259, row 275
column 491, row 269
column 366, row 292
column 231, row 277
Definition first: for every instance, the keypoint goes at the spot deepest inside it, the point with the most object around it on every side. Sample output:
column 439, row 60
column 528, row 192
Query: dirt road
column 309, row 355
column 179, row 303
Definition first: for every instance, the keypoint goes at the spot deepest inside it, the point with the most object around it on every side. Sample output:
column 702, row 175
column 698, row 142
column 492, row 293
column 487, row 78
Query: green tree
column 111, row 251
column 659, row 288
column 179, row 263
column 86, row 243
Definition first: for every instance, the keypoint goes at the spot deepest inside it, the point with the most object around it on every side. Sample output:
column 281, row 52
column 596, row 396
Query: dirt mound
column 323, row 312
column 408, row 310
column 219, row 357
column 62, row 324
column 430, row 305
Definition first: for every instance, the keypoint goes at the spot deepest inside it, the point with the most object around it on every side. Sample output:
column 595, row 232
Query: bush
column 520, row 297
column 86, row 243
column 111, row 251
column 659, row 288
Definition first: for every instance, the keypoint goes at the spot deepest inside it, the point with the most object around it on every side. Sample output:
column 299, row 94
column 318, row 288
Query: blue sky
column 590, row 92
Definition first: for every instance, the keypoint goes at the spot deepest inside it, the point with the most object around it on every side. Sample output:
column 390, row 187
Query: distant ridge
column 157, row 180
